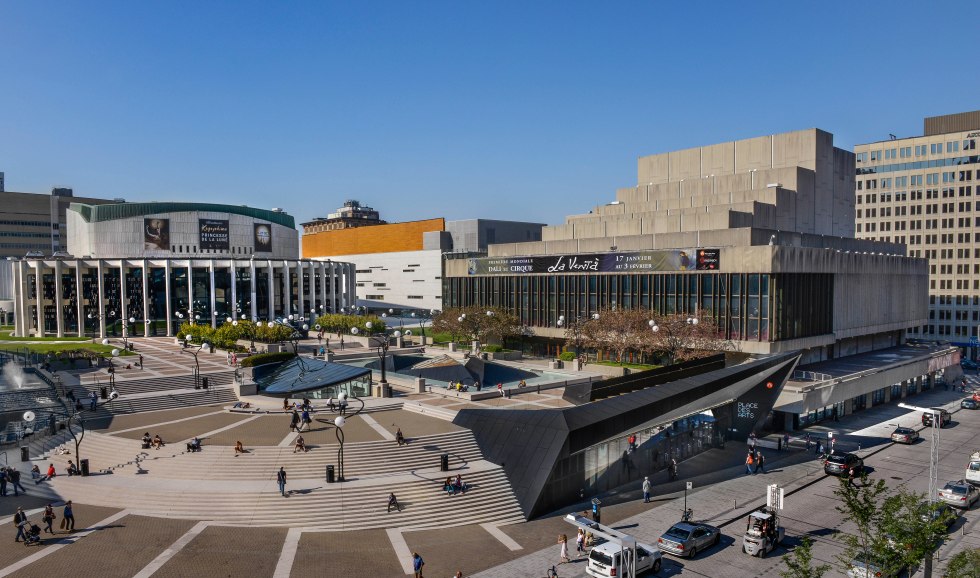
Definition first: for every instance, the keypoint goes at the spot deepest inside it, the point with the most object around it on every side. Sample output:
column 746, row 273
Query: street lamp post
column 78, row 419
column 104, row 317
column 206, row 347
column 339, row 422
column 383, row 340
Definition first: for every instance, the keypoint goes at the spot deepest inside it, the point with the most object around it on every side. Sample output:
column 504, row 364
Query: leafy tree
column 898, row 530
column 484, row 324
column 800, row 563
column 965, row 564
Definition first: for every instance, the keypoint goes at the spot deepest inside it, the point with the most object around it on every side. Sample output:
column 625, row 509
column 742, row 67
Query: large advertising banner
column 634, row 262
column 156, row 234
column 214, row 234
column 263, row 238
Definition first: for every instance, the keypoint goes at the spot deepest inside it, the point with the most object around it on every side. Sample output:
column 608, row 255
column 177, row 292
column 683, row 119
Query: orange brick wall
column 373, row 239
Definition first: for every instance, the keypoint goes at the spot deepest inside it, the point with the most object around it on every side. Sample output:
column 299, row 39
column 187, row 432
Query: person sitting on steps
column 399, row 437
column 194, row 445
column 147, row 440
column 239, row 448
column 300, row 445
column 157, row 442
column 393, row 503
column 72, row 469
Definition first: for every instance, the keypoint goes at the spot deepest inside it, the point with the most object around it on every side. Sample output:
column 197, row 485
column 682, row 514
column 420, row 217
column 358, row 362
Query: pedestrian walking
column 672, row 469
column 306, row 421
column 69, row 517
column 93, row 400
column 281, row 480
column 393, row 503
column 850, row 477
column 646, row 489
column 760, row 463
column 563, row 544
column 807, row 438
column 749, row 461
column 417, row 564
column 20, row 520
column 141, row 362
column 343, row 406
column 500, row 389
column 48, row 518
column 580, row 542
column 818, row 449
column 15, row 480
column 785, row 441
column 752, row 440
column 234, row 359
column 294, row 421
column 3, row 481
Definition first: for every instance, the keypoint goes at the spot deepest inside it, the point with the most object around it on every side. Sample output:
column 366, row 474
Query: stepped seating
column 361, row 459
column 155, row 384
column 316, row 504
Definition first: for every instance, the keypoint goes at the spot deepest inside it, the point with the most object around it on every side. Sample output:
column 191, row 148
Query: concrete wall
column 401, row 280
column 475, row 234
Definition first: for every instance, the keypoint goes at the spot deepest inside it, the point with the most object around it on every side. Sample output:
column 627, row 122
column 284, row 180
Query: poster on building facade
column 263, row 238
column 156, row 234
column 214, row 234
column 632, row 262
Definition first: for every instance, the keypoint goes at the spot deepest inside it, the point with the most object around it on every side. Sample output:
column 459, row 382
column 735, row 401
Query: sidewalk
column 722, row 495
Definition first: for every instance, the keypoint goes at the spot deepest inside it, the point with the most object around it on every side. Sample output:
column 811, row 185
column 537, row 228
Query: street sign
column 774, row 497
column 830, row 435
column 690, row 485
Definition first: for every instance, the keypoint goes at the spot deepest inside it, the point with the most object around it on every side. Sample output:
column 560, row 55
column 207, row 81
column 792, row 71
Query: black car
column 841, row 464
column 967, row 364
column 944, row 417
column 970, row 403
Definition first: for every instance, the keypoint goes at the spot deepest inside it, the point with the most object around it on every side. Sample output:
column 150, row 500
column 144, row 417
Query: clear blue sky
column 511, row 110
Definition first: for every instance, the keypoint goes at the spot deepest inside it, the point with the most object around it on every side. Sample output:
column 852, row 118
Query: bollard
column 735, row 504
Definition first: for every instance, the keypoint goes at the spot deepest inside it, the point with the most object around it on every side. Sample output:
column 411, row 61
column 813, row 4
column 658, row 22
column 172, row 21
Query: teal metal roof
column 111, row 212
column 299, row 375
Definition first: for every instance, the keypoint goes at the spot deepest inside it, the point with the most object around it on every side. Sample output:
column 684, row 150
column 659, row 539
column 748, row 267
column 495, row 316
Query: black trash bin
column 25, row 454
column 83, row 464
column 204, row 382
column 104, row 393
column 330, row 474
column 444, row 462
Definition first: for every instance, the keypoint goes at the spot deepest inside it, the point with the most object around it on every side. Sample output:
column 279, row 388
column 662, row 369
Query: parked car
column 973, row 469
column 959, row 494
column 944, row 417
column 967, row 364
column 904, row 435
column 840, row 464
column 937, row 510
column 688, row 538
column 970, row 403
column 607, row 560
column 868, row 565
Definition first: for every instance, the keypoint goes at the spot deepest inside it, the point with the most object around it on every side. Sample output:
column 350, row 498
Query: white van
column 607, row 559
column 973, row 469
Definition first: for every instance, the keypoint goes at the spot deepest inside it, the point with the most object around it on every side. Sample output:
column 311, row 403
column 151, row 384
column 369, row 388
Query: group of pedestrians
column 755, row 462
column 48, row 517
column 10, row 475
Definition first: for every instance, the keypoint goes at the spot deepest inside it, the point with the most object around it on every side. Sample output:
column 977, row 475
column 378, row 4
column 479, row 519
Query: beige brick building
column 922, row 192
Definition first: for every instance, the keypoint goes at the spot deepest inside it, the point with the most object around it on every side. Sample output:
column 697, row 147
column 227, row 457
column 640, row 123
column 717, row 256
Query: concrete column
column 101, row 271
column 905, row 388
column 324, row 280
column 287, row 281
column 81, row 299
column 234, row 291
column 332, row 278
column 59, row 315
column 146, row 297
column 351, row 284
column 300, row 306
column 123, row 299
column 252, row 303
column 311, row 290
column 190, row 291
column 272, row 285
column 932, row 379
column 214, row 317
column 170, row 313
column 39, row 298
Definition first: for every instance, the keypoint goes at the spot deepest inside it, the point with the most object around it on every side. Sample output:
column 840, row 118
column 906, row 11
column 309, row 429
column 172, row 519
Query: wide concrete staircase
column 215, row 485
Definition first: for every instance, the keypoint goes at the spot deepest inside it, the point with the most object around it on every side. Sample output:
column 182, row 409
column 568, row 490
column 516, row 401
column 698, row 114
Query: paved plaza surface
column 169, row 513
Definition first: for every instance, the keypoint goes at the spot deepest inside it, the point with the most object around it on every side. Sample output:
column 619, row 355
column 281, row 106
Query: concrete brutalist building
column 757, row 233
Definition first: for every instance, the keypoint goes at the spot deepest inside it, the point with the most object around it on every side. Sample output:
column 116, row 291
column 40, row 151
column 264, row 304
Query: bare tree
column 480, row 323
column 615, row 330
column 681, row 337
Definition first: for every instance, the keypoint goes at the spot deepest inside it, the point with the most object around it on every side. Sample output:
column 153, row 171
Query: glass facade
column 746, row 306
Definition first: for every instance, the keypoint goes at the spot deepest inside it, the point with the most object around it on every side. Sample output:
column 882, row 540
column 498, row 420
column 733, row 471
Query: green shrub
column 264, row 358
column 567, row 356
column 492, row 348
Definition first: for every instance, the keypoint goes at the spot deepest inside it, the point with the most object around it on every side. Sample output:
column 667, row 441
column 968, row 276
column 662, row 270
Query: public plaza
column 168, row 512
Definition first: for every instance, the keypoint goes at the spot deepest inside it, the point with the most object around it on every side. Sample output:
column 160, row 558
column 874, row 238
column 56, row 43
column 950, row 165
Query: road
column 811, row 509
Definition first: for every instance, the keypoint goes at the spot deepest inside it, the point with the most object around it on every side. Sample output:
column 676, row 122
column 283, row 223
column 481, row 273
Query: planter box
column 507, row 355
column 556, row 364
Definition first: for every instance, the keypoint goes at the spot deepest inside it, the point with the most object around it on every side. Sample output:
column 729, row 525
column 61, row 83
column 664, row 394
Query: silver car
column 688, row 538
column 959, row 494
column 905, row 435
